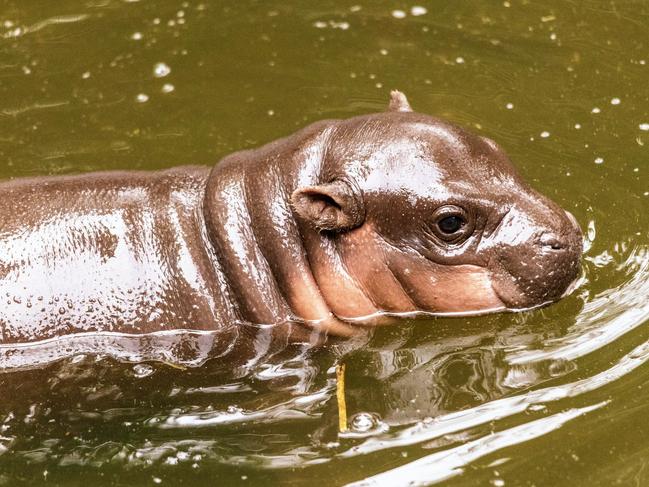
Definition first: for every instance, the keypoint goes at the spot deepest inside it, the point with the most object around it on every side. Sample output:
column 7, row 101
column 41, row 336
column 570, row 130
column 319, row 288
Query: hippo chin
column 345, row 224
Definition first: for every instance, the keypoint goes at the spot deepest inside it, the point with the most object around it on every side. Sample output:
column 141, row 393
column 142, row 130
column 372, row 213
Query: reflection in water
column 495, row 410
column 440, row 466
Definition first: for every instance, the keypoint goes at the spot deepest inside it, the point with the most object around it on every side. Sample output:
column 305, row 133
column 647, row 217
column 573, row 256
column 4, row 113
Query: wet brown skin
column 336, row 227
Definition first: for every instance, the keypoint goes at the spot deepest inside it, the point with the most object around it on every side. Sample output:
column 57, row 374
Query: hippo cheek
column 463, row 289
column 366, row 262
column 338, row 288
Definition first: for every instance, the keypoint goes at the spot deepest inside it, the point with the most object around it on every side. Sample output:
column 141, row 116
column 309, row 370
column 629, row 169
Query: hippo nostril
column 551, row 241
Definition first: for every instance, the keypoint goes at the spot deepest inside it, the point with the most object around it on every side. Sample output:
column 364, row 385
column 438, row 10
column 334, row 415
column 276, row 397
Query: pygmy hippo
column 343, row 225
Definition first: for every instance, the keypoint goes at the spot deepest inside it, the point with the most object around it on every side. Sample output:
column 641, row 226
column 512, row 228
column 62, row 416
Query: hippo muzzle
column 536, row 256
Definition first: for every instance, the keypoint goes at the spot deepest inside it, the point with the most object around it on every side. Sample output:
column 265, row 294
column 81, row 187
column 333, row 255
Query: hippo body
column 115, row 251
column 341, row 226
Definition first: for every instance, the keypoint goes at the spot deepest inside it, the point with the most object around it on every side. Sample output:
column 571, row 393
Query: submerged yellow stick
column 340, row 395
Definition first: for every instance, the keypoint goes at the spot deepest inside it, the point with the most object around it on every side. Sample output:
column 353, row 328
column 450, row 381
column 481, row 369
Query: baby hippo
column 344, row 225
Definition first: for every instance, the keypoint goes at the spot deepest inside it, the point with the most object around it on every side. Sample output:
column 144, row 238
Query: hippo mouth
column 520, row 301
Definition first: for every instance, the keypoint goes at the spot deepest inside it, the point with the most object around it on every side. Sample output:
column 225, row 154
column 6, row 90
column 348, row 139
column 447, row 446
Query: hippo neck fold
column 257, row 240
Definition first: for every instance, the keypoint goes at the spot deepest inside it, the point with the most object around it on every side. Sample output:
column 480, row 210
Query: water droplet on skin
column 644, row 127
column 168, row 88
column 137, row 36
column 418, row 10
column 509, row 106
column 595, row 110
column 142, row 98
column 545, row 134
column 599, row 160
column 615, row 101
column 459, row 60
column 61, row 311
column 160, row 70
column 398, row 14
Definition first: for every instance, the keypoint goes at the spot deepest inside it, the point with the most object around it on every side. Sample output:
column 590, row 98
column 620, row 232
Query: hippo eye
column 451, row 224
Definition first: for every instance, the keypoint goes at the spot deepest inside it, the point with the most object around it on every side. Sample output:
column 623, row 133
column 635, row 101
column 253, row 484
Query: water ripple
column 445, row 464
column 608, row 316
column 501, row 408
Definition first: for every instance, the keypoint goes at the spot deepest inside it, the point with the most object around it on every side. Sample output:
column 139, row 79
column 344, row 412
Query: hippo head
column 411, row 214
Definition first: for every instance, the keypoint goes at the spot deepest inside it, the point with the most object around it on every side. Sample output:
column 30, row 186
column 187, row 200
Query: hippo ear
column 334, row 206
column 398, row 102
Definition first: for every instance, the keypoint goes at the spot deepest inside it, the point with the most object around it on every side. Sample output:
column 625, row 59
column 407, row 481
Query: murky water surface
column 558, row 396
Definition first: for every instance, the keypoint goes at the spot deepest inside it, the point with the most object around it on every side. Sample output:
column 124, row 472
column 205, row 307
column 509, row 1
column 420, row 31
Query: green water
column 558, row 396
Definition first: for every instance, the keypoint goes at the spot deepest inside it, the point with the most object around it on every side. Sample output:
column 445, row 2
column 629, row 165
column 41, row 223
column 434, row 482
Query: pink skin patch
column 381, row 283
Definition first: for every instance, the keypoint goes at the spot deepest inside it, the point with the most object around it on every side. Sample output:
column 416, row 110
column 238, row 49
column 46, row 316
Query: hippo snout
column 543, row 269
column 551, row 241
